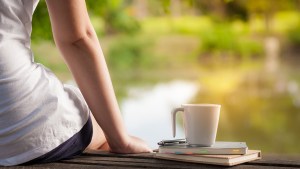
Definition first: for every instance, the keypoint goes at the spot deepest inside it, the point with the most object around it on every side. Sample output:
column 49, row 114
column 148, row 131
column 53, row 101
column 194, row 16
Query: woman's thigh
column 98, row 140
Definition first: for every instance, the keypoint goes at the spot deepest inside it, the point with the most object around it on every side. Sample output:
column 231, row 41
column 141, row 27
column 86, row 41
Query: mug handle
column 174, row 119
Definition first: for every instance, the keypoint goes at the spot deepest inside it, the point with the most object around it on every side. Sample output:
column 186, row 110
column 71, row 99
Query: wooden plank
column 82, row 166
column 63, row 166
column 278, row 160
column 109, row 160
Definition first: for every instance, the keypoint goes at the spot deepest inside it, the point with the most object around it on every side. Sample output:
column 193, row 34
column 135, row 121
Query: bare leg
column 98, row 140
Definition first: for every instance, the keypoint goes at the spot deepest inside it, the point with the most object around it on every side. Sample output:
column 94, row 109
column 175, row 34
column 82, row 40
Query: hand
column 134, row 145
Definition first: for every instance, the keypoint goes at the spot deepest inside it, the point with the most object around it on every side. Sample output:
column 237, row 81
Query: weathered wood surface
column 89, row 161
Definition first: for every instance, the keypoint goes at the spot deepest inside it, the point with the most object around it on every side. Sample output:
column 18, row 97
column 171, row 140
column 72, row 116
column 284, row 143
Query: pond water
column 258, row 108
column 147, row 111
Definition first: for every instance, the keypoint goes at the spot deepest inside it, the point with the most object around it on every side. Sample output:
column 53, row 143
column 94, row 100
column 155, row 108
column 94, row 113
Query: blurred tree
column 175, row 7
column 223, row 42
column 244, row 9
column 266, row 9
column 140, row 8
column 114, row 14
column 215, row 8
column 117, row 16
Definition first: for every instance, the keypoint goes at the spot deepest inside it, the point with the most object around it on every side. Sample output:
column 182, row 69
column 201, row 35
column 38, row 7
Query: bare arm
column 75, row 37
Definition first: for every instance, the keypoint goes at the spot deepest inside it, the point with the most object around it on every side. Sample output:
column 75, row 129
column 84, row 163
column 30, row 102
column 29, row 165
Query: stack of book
column 221, row 153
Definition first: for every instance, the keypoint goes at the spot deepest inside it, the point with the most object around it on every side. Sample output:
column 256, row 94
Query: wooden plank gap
column 273, row 164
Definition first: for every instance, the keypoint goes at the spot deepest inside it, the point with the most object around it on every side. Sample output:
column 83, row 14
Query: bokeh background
column 241, row 54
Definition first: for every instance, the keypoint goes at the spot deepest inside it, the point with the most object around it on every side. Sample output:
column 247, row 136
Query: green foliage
column 285, row 20
column 166, row 5
column 188, row 25
column 41, row 27
column 116, row 18
column 294, row 35
column 268, row 6
column 129, row 54
column 120, row 22
column 112, row 12
column 221, row 40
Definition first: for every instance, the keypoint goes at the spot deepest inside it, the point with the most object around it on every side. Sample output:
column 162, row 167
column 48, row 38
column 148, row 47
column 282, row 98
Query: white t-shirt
column 37, row 112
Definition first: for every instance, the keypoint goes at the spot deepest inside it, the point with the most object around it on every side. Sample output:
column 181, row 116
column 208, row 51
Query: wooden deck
column 89, row 161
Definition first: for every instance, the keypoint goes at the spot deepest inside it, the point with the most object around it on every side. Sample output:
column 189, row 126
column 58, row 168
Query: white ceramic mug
column 200, row 123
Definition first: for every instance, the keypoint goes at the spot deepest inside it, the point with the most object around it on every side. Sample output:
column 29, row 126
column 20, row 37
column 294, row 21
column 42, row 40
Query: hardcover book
column 225, row 160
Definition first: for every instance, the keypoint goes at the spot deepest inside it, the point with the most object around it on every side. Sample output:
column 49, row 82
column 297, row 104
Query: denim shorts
column 74, row 146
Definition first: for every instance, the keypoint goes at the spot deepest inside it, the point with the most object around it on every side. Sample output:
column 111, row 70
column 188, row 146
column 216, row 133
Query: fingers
column 135, row 145
column 139, row 146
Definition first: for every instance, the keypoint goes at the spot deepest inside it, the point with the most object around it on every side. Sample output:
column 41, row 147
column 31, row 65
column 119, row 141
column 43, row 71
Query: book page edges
column 186, row 158
column 255, row 155
column 208, row 159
